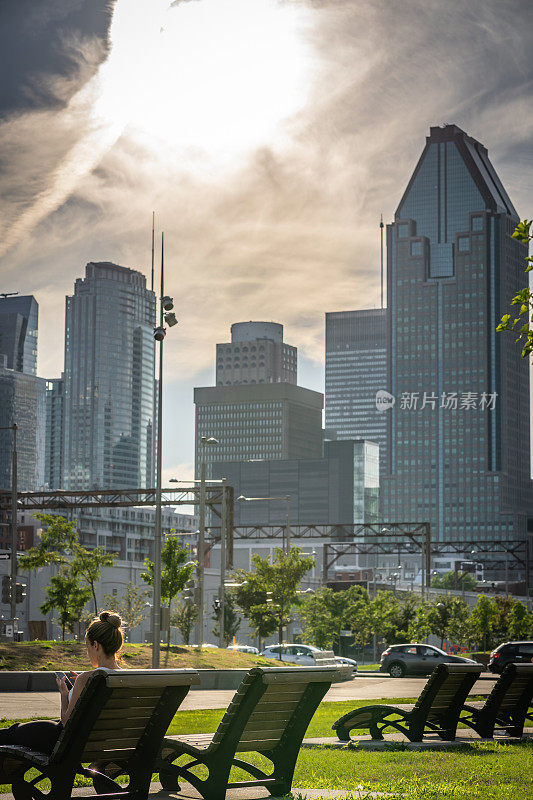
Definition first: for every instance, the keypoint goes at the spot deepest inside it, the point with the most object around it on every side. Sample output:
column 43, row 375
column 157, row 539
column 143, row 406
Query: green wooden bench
column 508, row 705
column 269, row 714
column 436, row 710
column 118, row 724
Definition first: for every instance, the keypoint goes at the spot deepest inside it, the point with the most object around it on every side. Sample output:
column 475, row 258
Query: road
column 17, row 705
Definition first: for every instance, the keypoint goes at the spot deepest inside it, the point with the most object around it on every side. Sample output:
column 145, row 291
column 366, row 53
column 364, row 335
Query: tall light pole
column 165, row 316
column 204, row 442
column 287, row 532
column 14, row 529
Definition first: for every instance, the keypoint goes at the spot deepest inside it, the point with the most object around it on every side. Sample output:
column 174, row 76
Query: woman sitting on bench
column 103, row 639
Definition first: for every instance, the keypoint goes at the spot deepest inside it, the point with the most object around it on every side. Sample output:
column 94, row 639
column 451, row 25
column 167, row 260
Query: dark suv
column 510, row 653
column 416, row 659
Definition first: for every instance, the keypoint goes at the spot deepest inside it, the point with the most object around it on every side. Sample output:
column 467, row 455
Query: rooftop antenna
column 153, row 225
column 7, row 294
column 381, row 232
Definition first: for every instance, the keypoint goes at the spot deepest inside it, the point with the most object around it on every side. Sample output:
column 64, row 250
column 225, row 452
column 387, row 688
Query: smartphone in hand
column 68, row 682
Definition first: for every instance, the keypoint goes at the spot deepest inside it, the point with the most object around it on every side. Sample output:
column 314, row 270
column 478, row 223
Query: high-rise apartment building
column 19, row 322
column 356, row 370
column 458, row 415
column 109, row 380
column 256, row 354
column 273, row 420
column 53, row 466
column 22, row 401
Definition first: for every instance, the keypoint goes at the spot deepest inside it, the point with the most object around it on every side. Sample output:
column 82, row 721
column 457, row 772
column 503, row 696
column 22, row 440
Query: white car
column 350, row 662
column 244, row 648
column 292, row 653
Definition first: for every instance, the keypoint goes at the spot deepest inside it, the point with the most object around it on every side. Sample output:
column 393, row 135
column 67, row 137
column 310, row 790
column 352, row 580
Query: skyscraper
column 274, row 420
column 53, row 467
column 356, row 369
column 256, row 354
column 109, row 380
column 458, row 418
column 19, row 322
column 22, row 401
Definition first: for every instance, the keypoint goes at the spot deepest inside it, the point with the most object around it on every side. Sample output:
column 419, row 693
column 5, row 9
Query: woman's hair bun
column 112, row 618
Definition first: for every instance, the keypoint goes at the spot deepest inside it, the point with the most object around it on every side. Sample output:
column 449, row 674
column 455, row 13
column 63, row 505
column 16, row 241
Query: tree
column 278, row 583
column 521, row 323
column 88, row 564
column 184, row 618
column 176, row 571
column 503, row 606
column 131, row 605
column 520, row 622
column 65, row 595
column 361, row 619
column 455, row 580
column 386, row 612
column 482, row 619
column 232, row 620
column 251, row 597
column 59, row 544
column 325, row 614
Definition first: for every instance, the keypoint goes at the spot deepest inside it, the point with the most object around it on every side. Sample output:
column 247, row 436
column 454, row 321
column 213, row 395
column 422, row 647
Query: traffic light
column 6, row 589
column 190, row 592
column 20, row 592
column 216, row 606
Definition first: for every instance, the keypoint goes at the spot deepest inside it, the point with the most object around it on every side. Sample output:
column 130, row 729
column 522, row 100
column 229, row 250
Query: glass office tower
column 458, row 419
column 22, row 401
column 19, row 323
column 356, row 370
column 109, row 380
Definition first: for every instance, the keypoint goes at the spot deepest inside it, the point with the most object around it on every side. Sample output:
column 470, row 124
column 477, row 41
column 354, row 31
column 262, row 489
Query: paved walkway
column 188, row 793
column 17, row 705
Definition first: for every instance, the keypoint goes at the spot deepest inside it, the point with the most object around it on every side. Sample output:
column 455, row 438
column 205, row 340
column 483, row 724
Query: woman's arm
column 66, row 705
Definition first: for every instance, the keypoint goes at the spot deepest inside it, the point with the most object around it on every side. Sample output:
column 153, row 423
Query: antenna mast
column 381, row 232
column 153, row 224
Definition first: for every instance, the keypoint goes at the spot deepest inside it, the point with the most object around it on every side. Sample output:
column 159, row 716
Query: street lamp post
column 165, row 316
column 204, row 441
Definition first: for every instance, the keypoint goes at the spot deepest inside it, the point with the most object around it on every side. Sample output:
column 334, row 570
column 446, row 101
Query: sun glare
column 216, row 76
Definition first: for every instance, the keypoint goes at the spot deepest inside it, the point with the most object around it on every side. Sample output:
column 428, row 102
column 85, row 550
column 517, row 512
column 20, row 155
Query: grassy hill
column 73, row 655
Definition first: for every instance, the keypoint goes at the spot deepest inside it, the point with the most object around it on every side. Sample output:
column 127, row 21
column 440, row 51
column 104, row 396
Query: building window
column 477, row 223
column 403, row 230
column 416, row 248
column 463, row 244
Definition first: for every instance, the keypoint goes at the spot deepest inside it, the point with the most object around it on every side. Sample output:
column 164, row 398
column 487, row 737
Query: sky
column 267, row 135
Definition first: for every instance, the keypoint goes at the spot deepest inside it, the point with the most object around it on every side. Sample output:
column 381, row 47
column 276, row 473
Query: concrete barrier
column 46, row 681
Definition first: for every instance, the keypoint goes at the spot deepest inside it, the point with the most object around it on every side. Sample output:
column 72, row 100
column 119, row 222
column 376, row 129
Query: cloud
column 290, row 229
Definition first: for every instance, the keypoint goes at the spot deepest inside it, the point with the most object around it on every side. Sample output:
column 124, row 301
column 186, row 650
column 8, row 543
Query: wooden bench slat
column 113, row 739
column 145, row 705
column 100, row 754
column 124, row 715
column 123, row 694
column 256, row 744
column 120, row 724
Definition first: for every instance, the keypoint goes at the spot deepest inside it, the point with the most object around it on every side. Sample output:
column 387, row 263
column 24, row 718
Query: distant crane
column 7, row 294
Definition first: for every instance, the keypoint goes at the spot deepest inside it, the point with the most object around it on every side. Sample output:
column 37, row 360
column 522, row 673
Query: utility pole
column 222, row 591
column 14, row 531
column 381, row 232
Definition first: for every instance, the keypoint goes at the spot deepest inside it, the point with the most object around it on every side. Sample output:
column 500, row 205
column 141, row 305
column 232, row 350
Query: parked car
column 292, row 653
column 510, row 653
column 416, row 659
column 244, row 648
column 350, row 662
